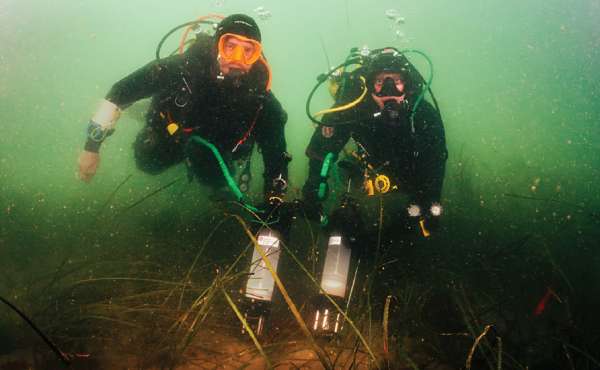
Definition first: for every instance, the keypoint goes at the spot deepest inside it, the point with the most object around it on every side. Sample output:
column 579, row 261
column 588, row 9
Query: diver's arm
column 145, row 81
column 431, row 158
column 325, row 139
column 140, row 84
column 270, row 136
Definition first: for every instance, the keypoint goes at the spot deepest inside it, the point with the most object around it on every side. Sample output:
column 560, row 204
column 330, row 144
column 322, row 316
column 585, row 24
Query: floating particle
column 392, row 14
column 262, row 13
column 365, row 51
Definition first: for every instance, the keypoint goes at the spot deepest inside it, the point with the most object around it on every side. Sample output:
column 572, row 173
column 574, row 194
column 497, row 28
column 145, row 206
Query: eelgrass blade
column 475, row 344
column 247, row 327
column 386, row 315
column 149, row 195
column 112, row 195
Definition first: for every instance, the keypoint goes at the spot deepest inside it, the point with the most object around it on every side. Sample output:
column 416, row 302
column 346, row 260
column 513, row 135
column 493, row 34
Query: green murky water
column 518, row 86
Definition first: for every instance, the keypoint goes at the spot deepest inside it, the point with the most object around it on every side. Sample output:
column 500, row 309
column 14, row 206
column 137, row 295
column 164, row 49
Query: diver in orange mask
column 218, row 89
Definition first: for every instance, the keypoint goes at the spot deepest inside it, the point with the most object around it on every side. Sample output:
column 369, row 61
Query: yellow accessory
column 333, row 88
column 349, row 105
column 334, row 82
column 425, row 232
column 275, row 199
column 382, row 184
column 369, row 188
column 172, row 128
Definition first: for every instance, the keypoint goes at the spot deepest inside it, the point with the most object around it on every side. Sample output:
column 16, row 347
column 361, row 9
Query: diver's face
column 380, row 80
column 236, row 53
column 381, row 94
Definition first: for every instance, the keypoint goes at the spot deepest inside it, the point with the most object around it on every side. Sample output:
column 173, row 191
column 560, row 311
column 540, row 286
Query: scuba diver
column 217, row 93
column 400, row 148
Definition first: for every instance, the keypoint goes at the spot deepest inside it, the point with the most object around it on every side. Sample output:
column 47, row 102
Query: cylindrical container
column 337, row 264
column 260, row 283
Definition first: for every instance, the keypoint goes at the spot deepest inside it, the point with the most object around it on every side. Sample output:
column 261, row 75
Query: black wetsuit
column 230, row 114
column 414, row 161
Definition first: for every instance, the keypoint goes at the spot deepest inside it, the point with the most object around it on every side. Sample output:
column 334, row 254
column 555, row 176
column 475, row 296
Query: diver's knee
column 152, row 154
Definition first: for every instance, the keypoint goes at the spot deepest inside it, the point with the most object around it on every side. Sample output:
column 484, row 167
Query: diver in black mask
column 400, row 147
column 389, row 96
column 387, row 78
column 399, row 135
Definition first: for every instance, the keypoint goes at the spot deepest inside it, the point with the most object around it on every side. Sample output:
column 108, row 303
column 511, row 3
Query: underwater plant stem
column 205, row 298
column 526, row 197
column 499, row 360
column 475, row 344
column 386, row 315
column 594, row 215
column 411, row 363
column 193, row 266
column 583, row 353
column 350, row 294
column 166, row 282
column 376, row 264
column 318, row 350
column 247, row 327
column 469, row 317
column 147, row 196
column 112, row 195
column 52, row 346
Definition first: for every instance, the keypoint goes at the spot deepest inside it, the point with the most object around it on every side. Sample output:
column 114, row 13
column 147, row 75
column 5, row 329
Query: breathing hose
column 186, row 24
column 226, row 173
column 321, row 79
column 324, row 173
column 361, row 60
column 427, row 83
column 349, row 105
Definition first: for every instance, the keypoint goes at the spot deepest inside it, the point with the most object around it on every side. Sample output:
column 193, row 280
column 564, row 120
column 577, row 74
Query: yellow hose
column 349, row 105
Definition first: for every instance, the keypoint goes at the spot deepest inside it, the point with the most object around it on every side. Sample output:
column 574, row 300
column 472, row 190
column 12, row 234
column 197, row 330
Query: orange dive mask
column 239, row 49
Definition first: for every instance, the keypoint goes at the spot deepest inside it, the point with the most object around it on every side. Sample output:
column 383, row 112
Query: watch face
column 96, row 133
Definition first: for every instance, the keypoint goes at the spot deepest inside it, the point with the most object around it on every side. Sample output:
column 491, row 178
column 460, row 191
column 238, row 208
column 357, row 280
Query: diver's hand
column 88, row 165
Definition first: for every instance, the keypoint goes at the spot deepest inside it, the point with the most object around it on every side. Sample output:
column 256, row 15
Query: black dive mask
column 389, row 88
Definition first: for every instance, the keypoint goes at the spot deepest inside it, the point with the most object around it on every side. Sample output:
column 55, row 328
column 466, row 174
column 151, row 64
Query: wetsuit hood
column 239, row 24
column 391, row 61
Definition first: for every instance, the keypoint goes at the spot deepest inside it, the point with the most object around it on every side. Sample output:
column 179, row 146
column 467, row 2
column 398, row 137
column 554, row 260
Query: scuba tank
column 343, row 231
column 260, row 285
